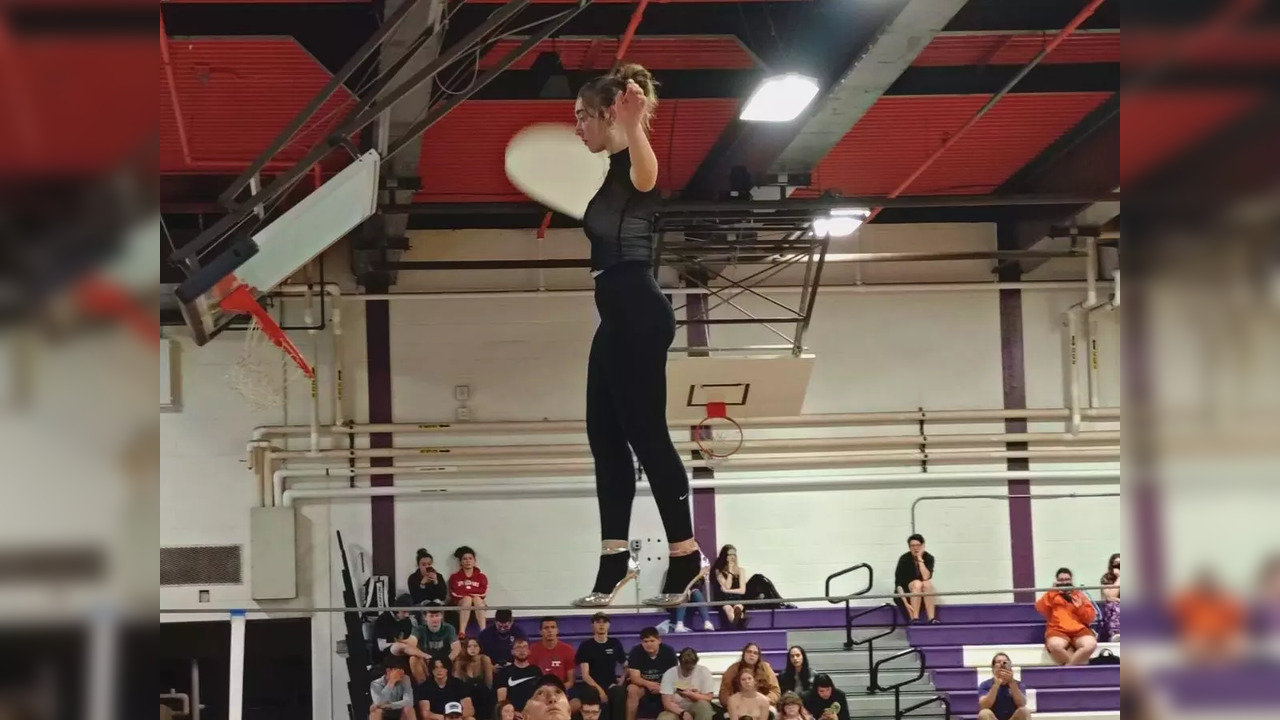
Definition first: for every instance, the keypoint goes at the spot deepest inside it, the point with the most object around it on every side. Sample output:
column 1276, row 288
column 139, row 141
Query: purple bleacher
column 732, row 641
column 1039, row 678
column 1051, row 701
column 1247, row 684
column 803, row 618
column 939, row 656
column 977, row 634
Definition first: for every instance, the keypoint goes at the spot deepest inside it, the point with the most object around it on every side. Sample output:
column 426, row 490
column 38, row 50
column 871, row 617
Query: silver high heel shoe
column 670, row 600
column 599, row 599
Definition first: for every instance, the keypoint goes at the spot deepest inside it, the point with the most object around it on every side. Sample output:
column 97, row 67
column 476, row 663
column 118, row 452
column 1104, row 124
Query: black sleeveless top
column 619, row 218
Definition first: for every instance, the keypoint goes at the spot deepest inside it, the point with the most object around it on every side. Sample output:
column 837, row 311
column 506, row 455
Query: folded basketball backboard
column 748, row 387
column 277, row 251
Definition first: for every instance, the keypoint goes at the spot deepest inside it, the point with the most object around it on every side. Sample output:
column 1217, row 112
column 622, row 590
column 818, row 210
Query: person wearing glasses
column 1111, row 599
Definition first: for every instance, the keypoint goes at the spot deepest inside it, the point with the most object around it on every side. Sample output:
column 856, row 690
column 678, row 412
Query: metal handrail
column 870, row 641
column 849, row 644
column 875, row 670
column 946, row 707
column 898, row 711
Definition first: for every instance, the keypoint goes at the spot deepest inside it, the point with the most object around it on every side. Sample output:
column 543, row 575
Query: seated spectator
column 798, row 677
column 791, row 707
column 646, row 664
column 1111, row 600
column 588, row 705
column 746, row 702
column 599, row 657
column 766, row 680
column 396, row 635
column 468, row 588
column 1068, row 614
column 678, row 613
column 1001, row 697
column 440, row 691
column 437, row 637
column 497, row 639
column 506, row 711
column 475, row 670
column 391, row 692
column 826, row 701
column 424, row 584
column 914, row 574
column 729, row 584
column 515, row 683
column 1210, row 622
column 687, row 690
column 549, row 701
column 552, row 656
column 453, row 711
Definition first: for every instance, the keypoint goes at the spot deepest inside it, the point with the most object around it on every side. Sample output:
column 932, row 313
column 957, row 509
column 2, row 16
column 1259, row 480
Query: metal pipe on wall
column 875, row 288
column 1073, row 380
column 490, row 469
column 720, row 484
column 308, row 320
column 1005, row 497
column 800, row 421
column 755, row 446
column 1081, row 330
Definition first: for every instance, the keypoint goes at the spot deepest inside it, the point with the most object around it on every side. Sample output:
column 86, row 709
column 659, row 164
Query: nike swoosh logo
column 684, row 496
column 512, row 682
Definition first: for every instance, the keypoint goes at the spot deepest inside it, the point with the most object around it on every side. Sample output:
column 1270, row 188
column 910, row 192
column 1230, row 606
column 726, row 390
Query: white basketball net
column 263, row 372
column 720, row 439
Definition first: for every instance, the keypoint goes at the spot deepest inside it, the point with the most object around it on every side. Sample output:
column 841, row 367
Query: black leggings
column 627, row 402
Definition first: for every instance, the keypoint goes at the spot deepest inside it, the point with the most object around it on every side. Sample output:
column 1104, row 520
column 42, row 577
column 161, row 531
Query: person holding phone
column 1068, row 614
column 687, row 690
column 1001, row 697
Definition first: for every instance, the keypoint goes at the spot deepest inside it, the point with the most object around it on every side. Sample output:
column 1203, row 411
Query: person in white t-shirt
column 687, row 690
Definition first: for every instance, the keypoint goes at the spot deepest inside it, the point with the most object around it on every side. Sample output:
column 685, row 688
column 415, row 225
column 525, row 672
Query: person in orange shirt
column 1068, row 614
column 1211, row 623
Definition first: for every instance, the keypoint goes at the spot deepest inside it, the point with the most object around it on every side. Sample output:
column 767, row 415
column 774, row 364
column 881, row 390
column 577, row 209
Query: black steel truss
column 372, row 103
column 702, row 245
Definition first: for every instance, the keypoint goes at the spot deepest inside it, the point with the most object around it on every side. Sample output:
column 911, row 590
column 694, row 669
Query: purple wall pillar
column 382, row 509
column 1013, row 372
column 704, row 500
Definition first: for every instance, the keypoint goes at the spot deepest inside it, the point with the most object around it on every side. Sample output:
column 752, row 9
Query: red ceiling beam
column 630, row 32
column 167, row 64
column 1062, row 34
column 28, row 130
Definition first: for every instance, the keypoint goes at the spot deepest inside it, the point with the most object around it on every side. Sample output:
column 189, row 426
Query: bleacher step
column 814, row 640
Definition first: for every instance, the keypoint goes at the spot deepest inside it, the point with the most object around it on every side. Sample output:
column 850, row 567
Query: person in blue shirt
column 1001, row 697
column 497, row 639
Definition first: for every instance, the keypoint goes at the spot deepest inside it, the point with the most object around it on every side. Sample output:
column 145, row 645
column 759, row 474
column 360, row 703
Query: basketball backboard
column 749, row 387
column 274, row 253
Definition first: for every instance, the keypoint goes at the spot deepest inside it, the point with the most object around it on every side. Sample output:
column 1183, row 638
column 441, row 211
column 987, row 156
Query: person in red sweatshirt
column 467, row 589
column 1068, row 614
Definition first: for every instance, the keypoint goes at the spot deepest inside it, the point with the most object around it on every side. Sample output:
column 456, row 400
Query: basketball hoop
column 100, row 297
column 269, row 362
column 718, row 436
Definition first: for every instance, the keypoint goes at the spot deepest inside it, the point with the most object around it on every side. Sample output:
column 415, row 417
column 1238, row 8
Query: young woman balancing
column 626, row 370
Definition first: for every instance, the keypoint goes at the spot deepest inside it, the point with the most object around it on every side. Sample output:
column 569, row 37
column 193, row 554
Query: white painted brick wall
column 876, row 352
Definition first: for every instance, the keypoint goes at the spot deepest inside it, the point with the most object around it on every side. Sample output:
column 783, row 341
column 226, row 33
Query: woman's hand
column 630, row 106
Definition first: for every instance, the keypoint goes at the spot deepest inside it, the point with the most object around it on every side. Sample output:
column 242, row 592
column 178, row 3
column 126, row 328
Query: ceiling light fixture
column 780, row 98
column 840, row 223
